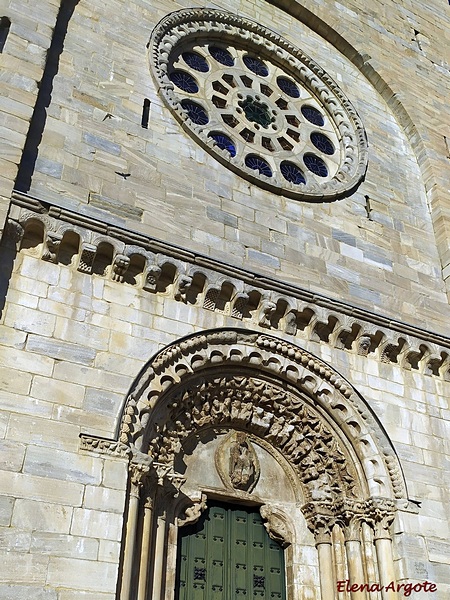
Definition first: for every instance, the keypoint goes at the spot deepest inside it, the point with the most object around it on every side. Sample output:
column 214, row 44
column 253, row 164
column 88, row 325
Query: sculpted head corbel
column 277, row 525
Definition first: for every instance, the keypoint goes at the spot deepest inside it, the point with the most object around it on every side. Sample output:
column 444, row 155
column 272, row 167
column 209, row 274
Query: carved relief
column 236, row 460
column 299, row 434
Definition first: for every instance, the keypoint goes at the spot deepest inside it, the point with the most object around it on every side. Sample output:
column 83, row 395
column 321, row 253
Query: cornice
column 279, row 305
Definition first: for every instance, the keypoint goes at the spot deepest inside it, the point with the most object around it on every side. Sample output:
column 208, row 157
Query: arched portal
column 243, row 417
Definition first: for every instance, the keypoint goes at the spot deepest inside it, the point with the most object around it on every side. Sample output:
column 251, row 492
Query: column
column 352, row 532
column 324, row 547
column 145, row 547
column 138, row 473
column 382, row 518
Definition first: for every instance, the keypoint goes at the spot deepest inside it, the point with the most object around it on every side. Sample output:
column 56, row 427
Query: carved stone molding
column 215, row 286
column 103, row 446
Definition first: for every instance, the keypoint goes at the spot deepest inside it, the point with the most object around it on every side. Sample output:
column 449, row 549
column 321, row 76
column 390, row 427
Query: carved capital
column 320, row 518
column 13, row 233
column 151, row 278
column 139, row 472
column 381, row 512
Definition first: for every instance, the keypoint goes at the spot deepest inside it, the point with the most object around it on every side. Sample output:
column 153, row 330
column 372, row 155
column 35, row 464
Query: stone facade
column 164, row 306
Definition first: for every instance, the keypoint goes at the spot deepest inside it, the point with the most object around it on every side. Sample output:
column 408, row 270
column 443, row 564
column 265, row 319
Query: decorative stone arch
column 226, row 391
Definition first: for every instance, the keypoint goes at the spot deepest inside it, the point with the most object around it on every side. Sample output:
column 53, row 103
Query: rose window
column 259, row 105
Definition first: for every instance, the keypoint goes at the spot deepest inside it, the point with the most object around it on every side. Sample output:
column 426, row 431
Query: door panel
column 228, row 554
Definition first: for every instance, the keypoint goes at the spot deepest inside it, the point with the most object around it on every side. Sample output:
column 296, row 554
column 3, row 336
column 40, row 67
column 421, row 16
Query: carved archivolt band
column 244, row 102
column 274, row 368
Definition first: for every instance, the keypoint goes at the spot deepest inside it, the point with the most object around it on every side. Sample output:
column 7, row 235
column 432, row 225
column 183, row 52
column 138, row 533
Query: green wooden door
column 228, row 555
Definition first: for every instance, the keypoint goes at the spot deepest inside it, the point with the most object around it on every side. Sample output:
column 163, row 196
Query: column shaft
column 130, row 539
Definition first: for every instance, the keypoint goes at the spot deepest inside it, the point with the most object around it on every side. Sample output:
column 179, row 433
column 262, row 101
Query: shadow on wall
column 44, row 97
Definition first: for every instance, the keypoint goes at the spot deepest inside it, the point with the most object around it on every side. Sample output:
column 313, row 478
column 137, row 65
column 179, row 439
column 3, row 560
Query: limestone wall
column 72, row 342
column 96, row 157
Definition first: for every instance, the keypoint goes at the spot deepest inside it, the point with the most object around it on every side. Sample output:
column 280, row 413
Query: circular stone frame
column 185, row 31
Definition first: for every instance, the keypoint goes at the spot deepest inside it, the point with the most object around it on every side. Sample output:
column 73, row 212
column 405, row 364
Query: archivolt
column 252, row 381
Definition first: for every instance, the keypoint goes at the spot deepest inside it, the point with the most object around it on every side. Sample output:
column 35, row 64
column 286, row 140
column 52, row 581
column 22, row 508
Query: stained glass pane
column 316, row 165
column 288, row 87
column 224, row 142
column 222, row 56
column 313, row 115
column 196, row 113
column 255, row 65
column 195, row 61
column 292, row 173
column 322, row 143
column 184, row 81
column 258, row 164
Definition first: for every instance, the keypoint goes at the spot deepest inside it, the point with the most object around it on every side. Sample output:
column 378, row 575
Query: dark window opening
column 145, row 113
column 5, row 24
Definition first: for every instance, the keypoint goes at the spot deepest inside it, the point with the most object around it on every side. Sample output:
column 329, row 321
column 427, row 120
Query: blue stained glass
column 224, row 142
column 222, row 56
column 313, row 115
column 292, row 173
column 322, row 143
column 184, row 81
column 315, row 165
column 195, row 61
column 288, row 87
column 258, row 164
column 255, row 65
column 196, row 113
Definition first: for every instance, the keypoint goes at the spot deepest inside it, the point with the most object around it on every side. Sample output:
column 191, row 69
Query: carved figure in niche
column 242, row 464
column 237, row 463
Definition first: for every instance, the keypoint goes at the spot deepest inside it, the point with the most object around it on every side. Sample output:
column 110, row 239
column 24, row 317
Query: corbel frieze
column 161, row 268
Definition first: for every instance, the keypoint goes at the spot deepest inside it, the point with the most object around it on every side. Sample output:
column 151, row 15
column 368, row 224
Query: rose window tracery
column 258, row 104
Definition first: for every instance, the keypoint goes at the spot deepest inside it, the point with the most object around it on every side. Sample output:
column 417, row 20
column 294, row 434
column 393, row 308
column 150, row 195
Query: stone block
column 21, row 485
column 6, row 508
column 25, row 361
column 267, row 260
column 59, row 392
column 26, row 592
column 41, row 516
column 14, row 539
column 57, row 464
column 97, row 524
column 438, row 551
column 109, row 551
column 101, row 425
column 102, row 498
column 60, row 350
column 61, row 545
column 44, row 432
column 11, row 455
column 92, row 377
column 79, row 595
column 20, row 568
column 82, row 334
column 115, row 474
column 17, row 383
column 25, row 404
column 83, row 575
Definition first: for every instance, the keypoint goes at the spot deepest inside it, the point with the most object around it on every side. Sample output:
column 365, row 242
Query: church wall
column 71, row 343
column 75, row 343
column 96, row 157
